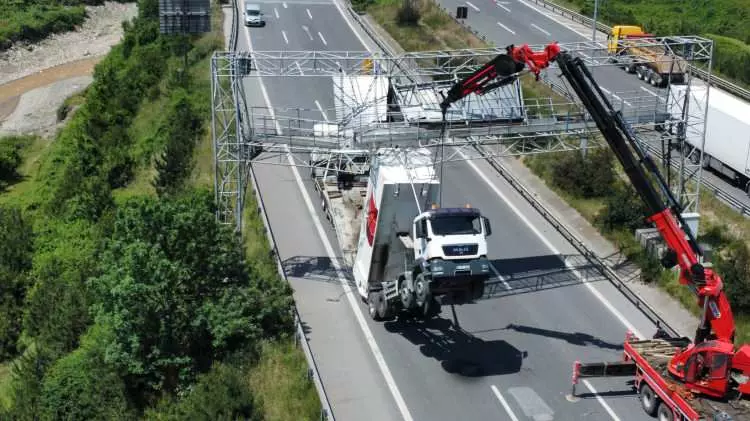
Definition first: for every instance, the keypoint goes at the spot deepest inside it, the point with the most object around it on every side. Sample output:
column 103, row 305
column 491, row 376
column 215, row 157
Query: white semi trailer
column 727, row 128
column 403, row 250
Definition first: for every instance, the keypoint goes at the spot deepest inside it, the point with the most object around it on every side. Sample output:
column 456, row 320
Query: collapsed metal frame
column 240, row 132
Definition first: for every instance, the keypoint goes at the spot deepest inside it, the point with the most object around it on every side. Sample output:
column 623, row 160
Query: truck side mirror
column 487, row 226
column 419, row 229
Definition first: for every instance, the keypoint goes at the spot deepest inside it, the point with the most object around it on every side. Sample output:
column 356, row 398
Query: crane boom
column 717, row 327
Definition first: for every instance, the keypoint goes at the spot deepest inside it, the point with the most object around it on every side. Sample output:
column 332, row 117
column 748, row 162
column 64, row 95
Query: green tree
column 57, row 306
column 733, row 264
column 82, row 386
column 176, row 290
column 16, row 250
column 222, row 394
column 623, row 210
column 180, row 132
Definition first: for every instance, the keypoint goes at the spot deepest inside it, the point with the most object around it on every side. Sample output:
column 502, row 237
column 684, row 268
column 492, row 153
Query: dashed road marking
column 504, row 403
column 276, row 12
column 532, row 405
column 325, row 117
column 500, row 5
column 286, row 40
column 506, row 28
column 472, row 6
column 541, row 30
column 322, row 39
column 309, row 14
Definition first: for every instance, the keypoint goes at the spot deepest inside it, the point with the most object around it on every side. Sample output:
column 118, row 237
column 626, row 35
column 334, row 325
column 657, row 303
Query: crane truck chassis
column 405, row 252
column 681, row 362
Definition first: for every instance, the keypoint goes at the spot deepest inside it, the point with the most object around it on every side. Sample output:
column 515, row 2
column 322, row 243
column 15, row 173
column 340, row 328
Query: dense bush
column 81, row 386
column 16, row 251
column 409, row 13
column 586, row 176
column 10, row 158
column 182, row 126
column 219, row 395
column 623, row 210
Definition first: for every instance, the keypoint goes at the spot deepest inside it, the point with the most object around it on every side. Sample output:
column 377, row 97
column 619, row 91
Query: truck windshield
column 456, row 225
column 253, row 12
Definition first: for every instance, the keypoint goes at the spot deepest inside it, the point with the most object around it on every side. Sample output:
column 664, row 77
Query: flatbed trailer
column 341, row 183
column 660, row 394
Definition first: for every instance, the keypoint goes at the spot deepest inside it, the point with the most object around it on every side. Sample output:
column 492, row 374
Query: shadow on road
column 316, row 268
column 538, row 273
column 458, row 351
column 576, row 338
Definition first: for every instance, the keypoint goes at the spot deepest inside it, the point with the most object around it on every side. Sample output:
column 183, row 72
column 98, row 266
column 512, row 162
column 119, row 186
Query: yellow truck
column 651, row 60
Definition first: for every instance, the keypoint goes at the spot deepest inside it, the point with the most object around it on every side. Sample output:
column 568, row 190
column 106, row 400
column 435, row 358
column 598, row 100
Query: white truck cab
column 450, row 234
column 253, row 15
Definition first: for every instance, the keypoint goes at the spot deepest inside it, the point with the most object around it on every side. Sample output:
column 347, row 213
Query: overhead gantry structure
column 386, row 101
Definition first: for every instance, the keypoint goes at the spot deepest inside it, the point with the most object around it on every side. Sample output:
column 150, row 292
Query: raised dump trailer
column 638, row 53
column 727, row 128
column 403, row 250
column 646, row 361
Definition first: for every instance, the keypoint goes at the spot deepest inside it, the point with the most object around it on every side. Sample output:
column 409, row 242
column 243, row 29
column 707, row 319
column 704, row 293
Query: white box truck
column 727, row 128
column 404, row 250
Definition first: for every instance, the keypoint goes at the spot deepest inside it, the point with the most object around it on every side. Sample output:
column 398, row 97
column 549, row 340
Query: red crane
column 714, row 338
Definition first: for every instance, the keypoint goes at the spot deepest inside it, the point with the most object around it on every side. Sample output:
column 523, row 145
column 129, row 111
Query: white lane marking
column 369, row 338
column 322, row 39
column 555, row 19
column 621, row 100
column 276, row 12
column 552, row 248
column 500, row 5
column 649, row 91
column 308, row 13
column 541, row 30
column 606, row 91
column 321, row 110
column 286, row 40
column 504, row 403
column 299, row 68
column 500, row 277
column 532, row 405
column 307, row 30
column 284, row 4
column 345, row 16
column 472, row 6
column 601, row 401
column 506, row 28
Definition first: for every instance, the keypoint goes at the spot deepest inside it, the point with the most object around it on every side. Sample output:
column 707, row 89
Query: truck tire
column 664, row 413
column 374, row 303
column 649, row 400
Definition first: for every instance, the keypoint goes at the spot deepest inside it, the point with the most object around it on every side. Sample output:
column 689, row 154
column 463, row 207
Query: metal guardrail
column 326, row 413
column 596, row 261
column 716, row 81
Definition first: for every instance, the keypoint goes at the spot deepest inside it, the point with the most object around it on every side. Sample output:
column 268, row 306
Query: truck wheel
column 374, row 299
column 649, row 401
column 421, row 290
column 385, row 309
column 664, row 413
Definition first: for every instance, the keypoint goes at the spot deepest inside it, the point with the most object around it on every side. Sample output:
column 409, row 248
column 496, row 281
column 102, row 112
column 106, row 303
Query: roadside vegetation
column 122, row 296
column 593, row 184
column 33, row 20
column 724, row 21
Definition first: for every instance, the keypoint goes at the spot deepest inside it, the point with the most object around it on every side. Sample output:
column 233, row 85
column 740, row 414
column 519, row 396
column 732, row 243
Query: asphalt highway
column 511, row 355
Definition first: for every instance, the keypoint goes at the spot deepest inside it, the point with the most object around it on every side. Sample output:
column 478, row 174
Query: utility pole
column 596, row 9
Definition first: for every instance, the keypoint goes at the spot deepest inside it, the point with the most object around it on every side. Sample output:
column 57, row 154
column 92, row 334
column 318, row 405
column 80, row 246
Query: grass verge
column 280, row 383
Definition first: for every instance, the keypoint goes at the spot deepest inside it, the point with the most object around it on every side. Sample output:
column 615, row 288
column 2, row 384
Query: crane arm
column 684, row 251
column 718, row 320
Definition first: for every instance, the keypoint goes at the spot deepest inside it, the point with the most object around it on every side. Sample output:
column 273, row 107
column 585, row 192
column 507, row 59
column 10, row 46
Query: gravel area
column 101, row 30
column 36, row 78
column 36, row 111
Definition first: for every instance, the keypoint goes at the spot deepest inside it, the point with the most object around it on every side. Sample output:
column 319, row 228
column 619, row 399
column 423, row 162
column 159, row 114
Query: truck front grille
column 460, row 249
